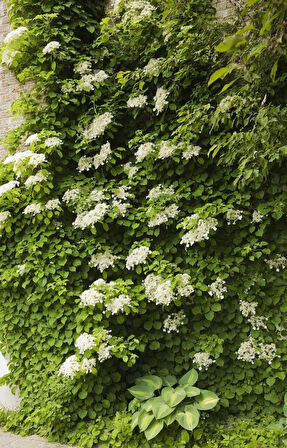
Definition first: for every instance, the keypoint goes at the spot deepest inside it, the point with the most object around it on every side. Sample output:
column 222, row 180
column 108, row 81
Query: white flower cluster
column 191, row 151
column 71, row 195
column 166, row 149
column 53, row 204
column 233, row 216
column 122, row 192
column 37, row 159
column 83, row 67
column 8, row 186
column 97, row 195
column 200, row 231
column 217, row 288
column 248, row 351
column 130, row 169
column 173, row 322
column 277, row 263
column 87, row 81
column 88, row 365
column 104, row 260
column 258, row 322
column 158, row 290
column 203, row 360
column 85, row 342
column 33, row 180
column 159, row 218
column 267, row 352
column 257, row 216
column 138, row 10
column 18, row 157
column 103, row 155
column 137, row 101
column 70, row 367
column 120, row 208
column 33, row 208
column 137, row 256
column 118, row 303
column 89, row 219
column 51, row 46
column 20, row 269
column 8, row 56
column 104, row 351
column 4, row 216
column 52, row 142
column 184, row 289
column 247, row 308
column 91, row 296
column 159, row 191
column 98, row 126
column 160, row 100
column 85, row 163
column 144, row 150
column 153, row 67
column 32, row 139
column 15, row 34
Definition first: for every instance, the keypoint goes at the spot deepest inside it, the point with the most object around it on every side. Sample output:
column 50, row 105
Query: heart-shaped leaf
column 206, row 400
column 169, row 380
column 188, row 418
column 147, row 406
column 172, row 396
column 135, row 420
column 150, row 380
column 141, row 391
column 153, row 430
column 160, row 409
column 191, row 391
column 189, row 378
column 144, row 420
column 170, row 418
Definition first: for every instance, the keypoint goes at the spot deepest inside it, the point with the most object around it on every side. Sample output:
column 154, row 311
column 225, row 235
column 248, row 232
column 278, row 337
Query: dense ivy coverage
column 143, row 213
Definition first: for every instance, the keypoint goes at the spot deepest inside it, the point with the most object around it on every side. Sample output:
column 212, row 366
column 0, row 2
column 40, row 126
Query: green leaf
column 226, row 86
column 191, row 391
column 141, row 391
column 160, row 409
column 169, row 380
column 189, row 378
column 229, row 43
column 170, row 418
column 150, row 380
column 173, row 396
column 188, row 418
column 206, row 400
column 220, row 74
column 153, row 430
column 144, row 420
column 135, row 420
column 274, row 71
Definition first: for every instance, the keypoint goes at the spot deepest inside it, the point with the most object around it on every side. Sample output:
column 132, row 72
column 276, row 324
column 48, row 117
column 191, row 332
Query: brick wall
column 223, row 8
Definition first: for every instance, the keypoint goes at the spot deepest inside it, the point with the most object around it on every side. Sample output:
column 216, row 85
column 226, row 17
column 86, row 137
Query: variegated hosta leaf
column 206, row 400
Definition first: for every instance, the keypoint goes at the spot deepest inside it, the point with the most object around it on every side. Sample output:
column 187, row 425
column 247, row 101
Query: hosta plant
column 160, row 402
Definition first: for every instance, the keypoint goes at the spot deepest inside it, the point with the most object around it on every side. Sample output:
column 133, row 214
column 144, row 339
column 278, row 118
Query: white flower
column 120, row 207
column 118, row 303
column 267, row 352
column 122, row 192
column 159, row 190
column 103, row 260
column 258, row 322
column 32, row 139
column 104, row 351
column 51, row 46
column 103, row 156
column 100, row 76
column 138, row 101
column 88, row 365
column 233, row 216
column 4, row 216
column 98, row 126
column 200, row 231
column 157, row 220
column 130, row 169
column 247, row 351
column 166, row 149
column 85, row 163
column 171, row 211
column 20, row 269
column 217, row 288
column 153, row 67
column 37, row 159
column 247, row 308
column 8, row 56
column 97, row 195
column 18, row 157
column 144, row 150
column 158, row 290
column 83, row 67
column 90, row 218
column 173, row 322
column 277, row 263
column 85, row 342
column 15, row 34
column 138, row 10
column 51, row 142
column 185, row 289
column 91, row 297
column 53, row 204
column 160, row 100
column 86, row 83
column 203, row 360
column 33, row 180
column 70, row 367
column 137, row 256
column 71, row 195
column 257, row 216
column 8, row 186
column 33, row 208
column 191, row 151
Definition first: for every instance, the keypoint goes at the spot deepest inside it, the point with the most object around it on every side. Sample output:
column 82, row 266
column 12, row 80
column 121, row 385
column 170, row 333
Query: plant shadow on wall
column 143, row 220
